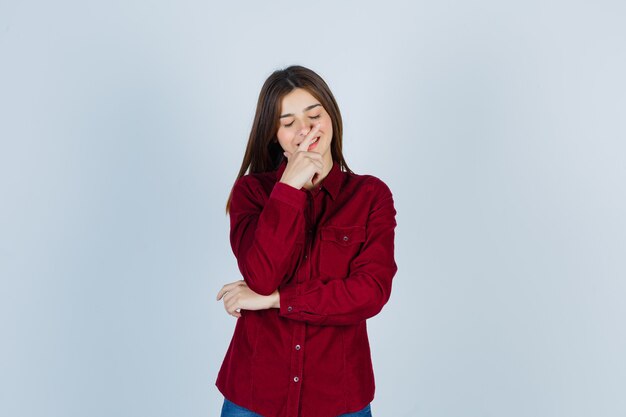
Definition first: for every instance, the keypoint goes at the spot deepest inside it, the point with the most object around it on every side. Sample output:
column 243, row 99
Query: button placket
column 297, row 369
column 298, row 338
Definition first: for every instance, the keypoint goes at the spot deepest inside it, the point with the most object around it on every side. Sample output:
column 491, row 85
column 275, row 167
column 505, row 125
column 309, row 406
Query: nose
column 304, row 130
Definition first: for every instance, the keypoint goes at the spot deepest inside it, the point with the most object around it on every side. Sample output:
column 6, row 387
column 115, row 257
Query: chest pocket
column 339, row 245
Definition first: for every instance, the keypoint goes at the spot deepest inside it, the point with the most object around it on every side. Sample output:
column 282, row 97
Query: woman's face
column 299, row 113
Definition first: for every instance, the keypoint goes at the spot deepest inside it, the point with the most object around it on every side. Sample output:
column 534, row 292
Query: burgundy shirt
column 330, row 253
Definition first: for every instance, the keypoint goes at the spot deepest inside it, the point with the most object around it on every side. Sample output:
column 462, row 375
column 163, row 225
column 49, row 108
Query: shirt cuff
column 290, row 195
column 288, row 307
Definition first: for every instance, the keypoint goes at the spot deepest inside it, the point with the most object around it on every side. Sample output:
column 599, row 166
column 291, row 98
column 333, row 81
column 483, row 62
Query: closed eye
column 310, row 117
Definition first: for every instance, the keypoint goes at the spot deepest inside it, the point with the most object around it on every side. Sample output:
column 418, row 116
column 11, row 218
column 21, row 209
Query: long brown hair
column 263, row 152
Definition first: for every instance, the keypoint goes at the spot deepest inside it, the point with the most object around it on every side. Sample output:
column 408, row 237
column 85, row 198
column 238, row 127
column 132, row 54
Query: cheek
column 284, row 138
column 327, row 126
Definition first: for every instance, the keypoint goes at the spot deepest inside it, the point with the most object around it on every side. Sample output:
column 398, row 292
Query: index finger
column 304, row 145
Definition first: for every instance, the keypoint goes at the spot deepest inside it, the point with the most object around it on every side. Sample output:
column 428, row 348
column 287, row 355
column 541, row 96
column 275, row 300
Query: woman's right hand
column 303, row 166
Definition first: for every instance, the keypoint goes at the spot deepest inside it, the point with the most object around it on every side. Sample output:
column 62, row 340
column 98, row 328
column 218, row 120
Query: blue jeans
column 230, row 409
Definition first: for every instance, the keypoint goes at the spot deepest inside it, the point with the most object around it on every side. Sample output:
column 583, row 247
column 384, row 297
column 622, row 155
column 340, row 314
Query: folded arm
column 265, row 232
column 363, row 293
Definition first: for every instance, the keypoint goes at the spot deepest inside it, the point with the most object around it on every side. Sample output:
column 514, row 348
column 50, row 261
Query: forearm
column 266, row 236
column 337, row 302
column 362, row 292
column 275, row 299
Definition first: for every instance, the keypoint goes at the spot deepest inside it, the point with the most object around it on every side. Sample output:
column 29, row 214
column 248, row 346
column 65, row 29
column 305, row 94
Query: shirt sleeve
column 264, row 232
column 365, row 291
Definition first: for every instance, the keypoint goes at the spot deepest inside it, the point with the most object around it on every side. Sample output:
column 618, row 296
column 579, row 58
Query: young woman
column 315, row 245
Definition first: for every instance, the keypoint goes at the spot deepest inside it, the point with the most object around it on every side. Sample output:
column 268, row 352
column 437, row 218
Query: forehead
column 297, row 100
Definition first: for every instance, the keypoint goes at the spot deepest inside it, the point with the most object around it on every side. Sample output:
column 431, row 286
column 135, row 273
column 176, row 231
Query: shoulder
column 251, row 191
column 262, row 182
column 367, row 183
column 368, row 195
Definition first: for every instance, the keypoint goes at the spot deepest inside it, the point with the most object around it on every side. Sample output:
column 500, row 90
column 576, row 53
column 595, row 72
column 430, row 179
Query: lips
column 313, row 142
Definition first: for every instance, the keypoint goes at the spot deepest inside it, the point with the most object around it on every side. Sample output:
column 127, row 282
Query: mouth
column 313, row 142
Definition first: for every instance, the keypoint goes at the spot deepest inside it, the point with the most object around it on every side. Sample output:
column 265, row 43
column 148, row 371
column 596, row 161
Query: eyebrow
column 305, row 109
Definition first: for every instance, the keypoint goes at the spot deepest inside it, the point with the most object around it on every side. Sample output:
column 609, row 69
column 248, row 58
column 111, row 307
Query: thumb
column 287, row 154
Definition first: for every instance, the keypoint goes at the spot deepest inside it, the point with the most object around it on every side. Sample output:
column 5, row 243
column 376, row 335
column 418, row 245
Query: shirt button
column 289, row 308
column 296, row 379
column 345, row 238
column 297, row 347
column 306, row 256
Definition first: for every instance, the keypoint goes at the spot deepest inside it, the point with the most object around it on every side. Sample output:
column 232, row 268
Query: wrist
column 289, row 184
column 275, row 299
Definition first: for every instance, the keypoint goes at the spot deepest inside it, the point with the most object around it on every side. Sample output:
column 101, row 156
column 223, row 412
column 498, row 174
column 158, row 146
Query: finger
column 231, row 297
column 304, row 145
column 229, row 305
column 310, row 136
column 287, row 154
column 312, row 155
column 229, row 287
column 232, row 306
column 318, row 164
column 228, row 295
column 222, row 292
column 319, row 168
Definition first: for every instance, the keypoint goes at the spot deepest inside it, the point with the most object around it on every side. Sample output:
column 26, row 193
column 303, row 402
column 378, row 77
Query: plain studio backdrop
column 499, row 126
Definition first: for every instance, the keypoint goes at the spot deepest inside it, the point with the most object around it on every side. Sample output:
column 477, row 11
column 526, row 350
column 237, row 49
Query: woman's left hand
column 237, row 295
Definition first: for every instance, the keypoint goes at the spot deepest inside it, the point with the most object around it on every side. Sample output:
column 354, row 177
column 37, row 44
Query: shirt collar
column 332, row 182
